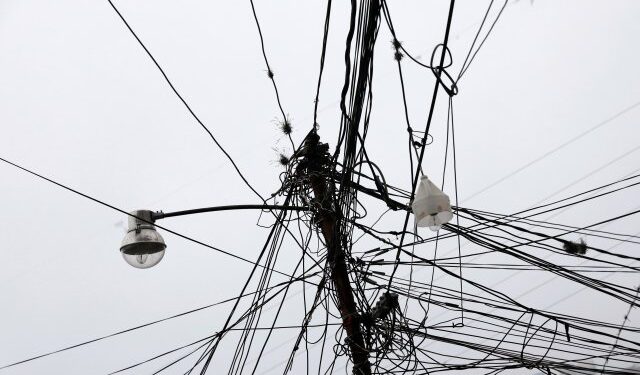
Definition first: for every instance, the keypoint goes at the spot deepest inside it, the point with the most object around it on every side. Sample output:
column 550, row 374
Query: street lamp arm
column 161, row 215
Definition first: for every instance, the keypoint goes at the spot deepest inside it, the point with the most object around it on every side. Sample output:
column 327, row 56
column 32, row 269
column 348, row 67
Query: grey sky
column 81, row 103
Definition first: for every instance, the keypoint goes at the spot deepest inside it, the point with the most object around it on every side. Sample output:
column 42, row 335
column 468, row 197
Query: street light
column 144, row 247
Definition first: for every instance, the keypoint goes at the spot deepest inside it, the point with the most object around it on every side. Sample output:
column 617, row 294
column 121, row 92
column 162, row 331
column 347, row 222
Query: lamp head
column 142, row 246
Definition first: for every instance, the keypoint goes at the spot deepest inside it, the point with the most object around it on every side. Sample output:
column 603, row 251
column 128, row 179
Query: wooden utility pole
column 328, row 220
column 316, row 166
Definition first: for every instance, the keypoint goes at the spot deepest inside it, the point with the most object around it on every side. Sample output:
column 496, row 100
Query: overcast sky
column 81, row 103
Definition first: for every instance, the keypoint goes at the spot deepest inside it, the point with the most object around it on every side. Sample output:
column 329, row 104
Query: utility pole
column 315, row 164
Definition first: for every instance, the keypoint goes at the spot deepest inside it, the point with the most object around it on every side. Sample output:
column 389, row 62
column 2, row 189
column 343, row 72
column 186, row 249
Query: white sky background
column 81, row 103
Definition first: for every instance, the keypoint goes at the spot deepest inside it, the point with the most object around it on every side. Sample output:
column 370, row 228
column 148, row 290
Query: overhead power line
column 100, row 202
column 87, row 342
column 554, row 150
column 399, row 322
column 184, row 102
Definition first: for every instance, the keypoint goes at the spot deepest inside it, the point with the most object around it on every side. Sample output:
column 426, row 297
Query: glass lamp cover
column 143, row 260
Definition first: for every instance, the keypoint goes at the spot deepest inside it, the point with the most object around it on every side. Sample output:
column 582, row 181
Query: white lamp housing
column 142, row 246
column 431, row 206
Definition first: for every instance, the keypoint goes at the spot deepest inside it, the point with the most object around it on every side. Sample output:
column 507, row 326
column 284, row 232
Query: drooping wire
column 184, row 102
column 285, row 118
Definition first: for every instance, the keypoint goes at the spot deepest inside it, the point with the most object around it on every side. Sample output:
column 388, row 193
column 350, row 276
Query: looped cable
column 451, row 88
column 447, row 51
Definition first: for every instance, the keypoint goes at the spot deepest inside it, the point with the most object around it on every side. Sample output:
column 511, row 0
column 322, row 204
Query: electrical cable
column 184, row 102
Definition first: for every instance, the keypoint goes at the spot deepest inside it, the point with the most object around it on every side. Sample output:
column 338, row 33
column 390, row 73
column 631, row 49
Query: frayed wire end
column 283, row 159
column 397, row 45
column 285, row 126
